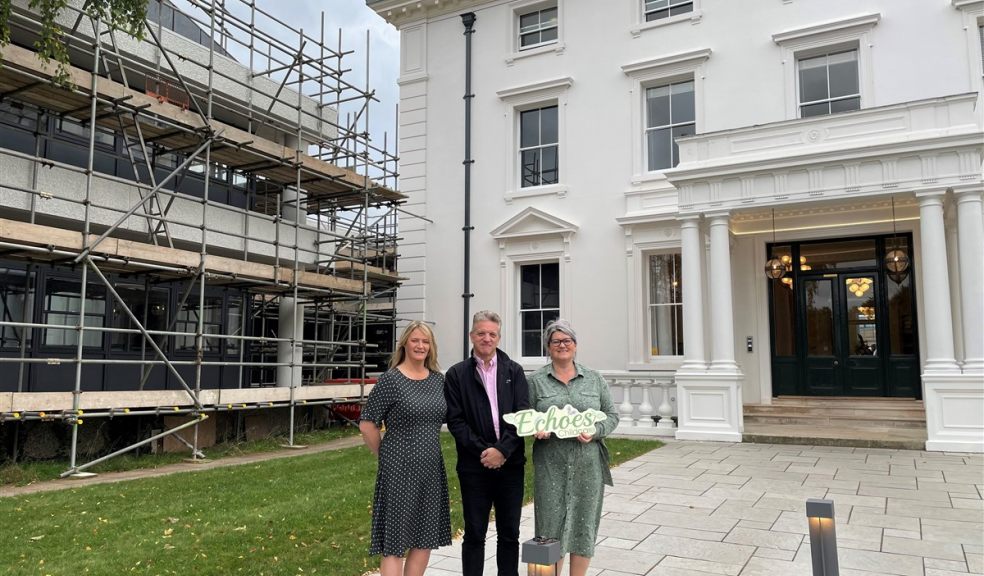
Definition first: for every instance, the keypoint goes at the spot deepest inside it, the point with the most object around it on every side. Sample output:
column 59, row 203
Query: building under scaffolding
column 188, row 229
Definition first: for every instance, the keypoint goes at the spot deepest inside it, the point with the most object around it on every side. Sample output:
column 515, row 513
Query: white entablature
column 922, row 145
column 399, row 12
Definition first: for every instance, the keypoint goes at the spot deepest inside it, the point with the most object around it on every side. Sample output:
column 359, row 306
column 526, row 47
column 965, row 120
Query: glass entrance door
column 822, row 347
column 860, row 322
column 841, row 325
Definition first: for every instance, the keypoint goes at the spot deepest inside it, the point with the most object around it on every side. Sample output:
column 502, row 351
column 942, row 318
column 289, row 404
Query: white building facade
column 636, row 163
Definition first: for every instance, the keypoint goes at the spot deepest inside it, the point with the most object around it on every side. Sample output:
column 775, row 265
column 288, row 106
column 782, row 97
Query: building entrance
column 841, row 324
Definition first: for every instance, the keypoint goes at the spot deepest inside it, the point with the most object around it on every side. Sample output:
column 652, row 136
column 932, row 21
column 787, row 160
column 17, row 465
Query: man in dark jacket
column 491, row 456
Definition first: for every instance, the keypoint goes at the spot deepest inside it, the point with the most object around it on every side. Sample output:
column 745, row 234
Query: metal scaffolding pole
column 335, row 231
column 77, row 392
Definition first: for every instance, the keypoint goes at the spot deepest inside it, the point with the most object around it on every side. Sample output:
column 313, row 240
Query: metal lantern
column 775, row 269
column 542, row 556
column 896, row 259
column 897, row 264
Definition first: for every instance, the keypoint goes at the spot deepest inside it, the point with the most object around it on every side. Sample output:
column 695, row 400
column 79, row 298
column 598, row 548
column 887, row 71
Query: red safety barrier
column 349, row 410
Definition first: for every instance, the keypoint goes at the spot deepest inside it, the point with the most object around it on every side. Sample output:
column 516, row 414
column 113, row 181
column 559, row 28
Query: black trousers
column 482, row 490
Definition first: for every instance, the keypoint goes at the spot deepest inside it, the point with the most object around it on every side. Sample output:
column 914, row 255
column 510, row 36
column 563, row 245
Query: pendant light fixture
column 775, row 268
column 896, row 259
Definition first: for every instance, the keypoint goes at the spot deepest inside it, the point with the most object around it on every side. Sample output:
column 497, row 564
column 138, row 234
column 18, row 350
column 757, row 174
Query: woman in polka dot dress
column 410, row 511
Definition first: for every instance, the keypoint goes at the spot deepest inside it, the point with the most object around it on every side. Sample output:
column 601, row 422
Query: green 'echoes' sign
column 566, row 422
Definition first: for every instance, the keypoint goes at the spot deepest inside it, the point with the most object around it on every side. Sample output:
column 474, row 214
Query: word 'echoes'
column 566, row 422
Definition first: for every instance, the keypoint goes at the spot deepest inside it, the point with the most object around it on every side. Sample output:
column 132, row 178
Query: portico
column 833, row 183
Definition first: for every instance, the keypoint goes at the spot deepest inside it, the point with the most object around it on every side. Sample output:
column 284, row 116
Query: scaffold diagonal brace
column 144, row 200
column 143, row 331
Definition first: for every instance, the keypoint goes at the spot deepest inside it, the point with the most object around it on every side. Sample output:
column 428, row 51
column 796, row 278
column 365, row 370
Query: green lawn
column 23, row 473
column 302, row 515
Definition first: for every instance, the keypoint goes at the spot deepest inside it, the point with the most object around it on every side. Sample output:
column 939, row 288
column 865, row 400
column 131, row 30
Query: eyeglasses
column 566, row 342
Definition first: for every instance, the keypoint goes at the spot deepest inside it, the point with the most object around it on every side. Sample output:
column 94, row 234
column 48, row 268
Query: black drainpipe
column 468, row 19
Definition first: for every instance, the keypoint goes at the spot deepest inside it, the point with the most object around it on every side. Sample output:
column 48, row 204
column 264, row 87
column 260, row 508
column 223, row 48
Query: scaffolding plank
column 355, row 269
column 40, row 235
column 336, row 180
column 54, row 402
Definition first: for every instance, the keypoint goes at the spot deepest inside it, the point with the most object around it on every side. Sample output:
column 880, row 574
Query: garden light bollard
column 541, row 555
column 823, row 537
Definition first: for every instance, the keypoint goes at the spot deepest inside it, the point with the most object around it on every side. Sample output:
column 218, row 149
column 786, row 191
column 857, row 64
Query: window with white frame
column 539, row 303
column 668, row 90
column 538, row 147
column 836, row 60
column 659, row 9
column 670, row 114
column 538, row 27
column 828, row 83
column 665, row 305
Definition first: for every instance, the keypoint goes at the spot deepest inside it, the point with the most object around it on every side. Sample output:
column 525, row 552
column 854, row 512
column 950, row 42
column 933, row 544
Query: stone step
column 839, row 400
column 893, row 438
column 837, row 412
column 854, row 421
column 909, row 412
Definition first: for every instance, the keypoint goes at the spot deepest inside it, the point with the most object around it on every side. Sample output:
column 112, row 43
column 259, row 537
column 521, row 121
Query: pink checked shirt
column 487, row 372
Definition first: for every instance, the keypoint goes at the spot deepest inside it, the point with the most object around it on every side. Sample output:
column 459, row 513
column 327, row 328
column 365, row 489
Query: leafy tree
column 125, row 15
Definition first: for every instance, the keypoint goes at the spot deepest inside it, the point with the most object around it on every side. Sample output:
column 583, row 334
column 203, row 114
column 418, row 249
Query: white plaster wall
column 749, row 313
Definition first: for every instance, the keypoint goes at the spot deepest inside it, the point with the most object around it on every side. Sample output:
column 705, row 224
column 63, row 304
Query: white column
column 288, row 376
column 722, row 313
column 953, row 267
column 970, row 251
column 691, row 248
column 936, row 285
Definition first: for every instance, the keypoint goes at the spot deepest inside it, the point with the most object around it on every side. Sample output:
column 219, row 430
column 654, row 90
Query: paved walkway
column 696, row 509
column 109, row 477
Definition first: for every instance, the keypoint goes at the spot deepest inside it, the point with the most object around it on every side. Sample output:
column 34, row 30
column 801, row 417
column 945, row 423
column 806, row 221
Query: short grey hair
column 558, row 325
column 485, row 316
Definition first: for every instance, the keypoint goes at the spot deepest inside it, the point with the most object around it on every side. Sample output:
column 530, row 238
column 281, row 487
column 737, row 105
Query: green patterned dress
column 569, row 476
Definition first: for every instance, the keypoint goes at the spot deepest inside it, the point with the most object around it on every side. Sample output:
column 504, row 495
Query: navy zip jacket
column 470, row 415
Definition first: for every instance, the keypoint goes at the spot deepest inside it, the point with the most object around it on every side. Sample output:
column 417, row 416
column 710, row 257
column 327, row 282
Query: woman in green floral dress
column 570, row 474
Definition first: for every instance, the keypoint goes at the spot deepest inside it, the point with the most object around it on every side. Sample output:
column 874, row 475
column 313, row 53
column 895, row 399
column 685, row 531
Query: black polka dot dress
column 410, row 508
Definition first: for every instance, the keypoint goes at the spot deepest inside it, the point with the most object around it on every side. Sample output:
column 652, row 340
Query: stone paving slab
column 701, row 509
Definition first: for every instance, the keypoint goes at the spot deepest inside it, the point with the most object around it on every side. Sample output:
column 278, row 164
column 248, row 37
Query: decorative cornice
column 864, row 20
column 967, row 4
column 399, row 12
column 881, row 203
column 542, row 86
column 411, row 79
column 692, row 58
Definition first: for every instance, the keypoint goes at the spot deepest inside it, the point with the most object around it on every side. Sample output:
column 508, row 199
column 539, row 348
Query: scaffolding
column 312, row 251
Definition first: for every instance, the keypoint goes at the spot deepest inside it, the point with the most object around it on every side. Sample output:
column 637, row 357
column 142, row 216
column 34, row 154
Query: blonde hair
column 399, row 354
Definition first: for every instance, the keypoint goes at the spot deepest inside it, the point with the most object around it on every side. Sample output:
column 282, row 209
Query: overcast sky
column 354, row 18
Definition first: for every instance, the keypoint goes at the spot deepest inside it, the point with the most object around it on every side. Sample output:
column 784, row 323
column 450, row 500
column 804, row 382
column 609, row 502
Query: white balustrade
column 645, row 407
column 634, row 394
column 665, row 409
column 625, row 408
